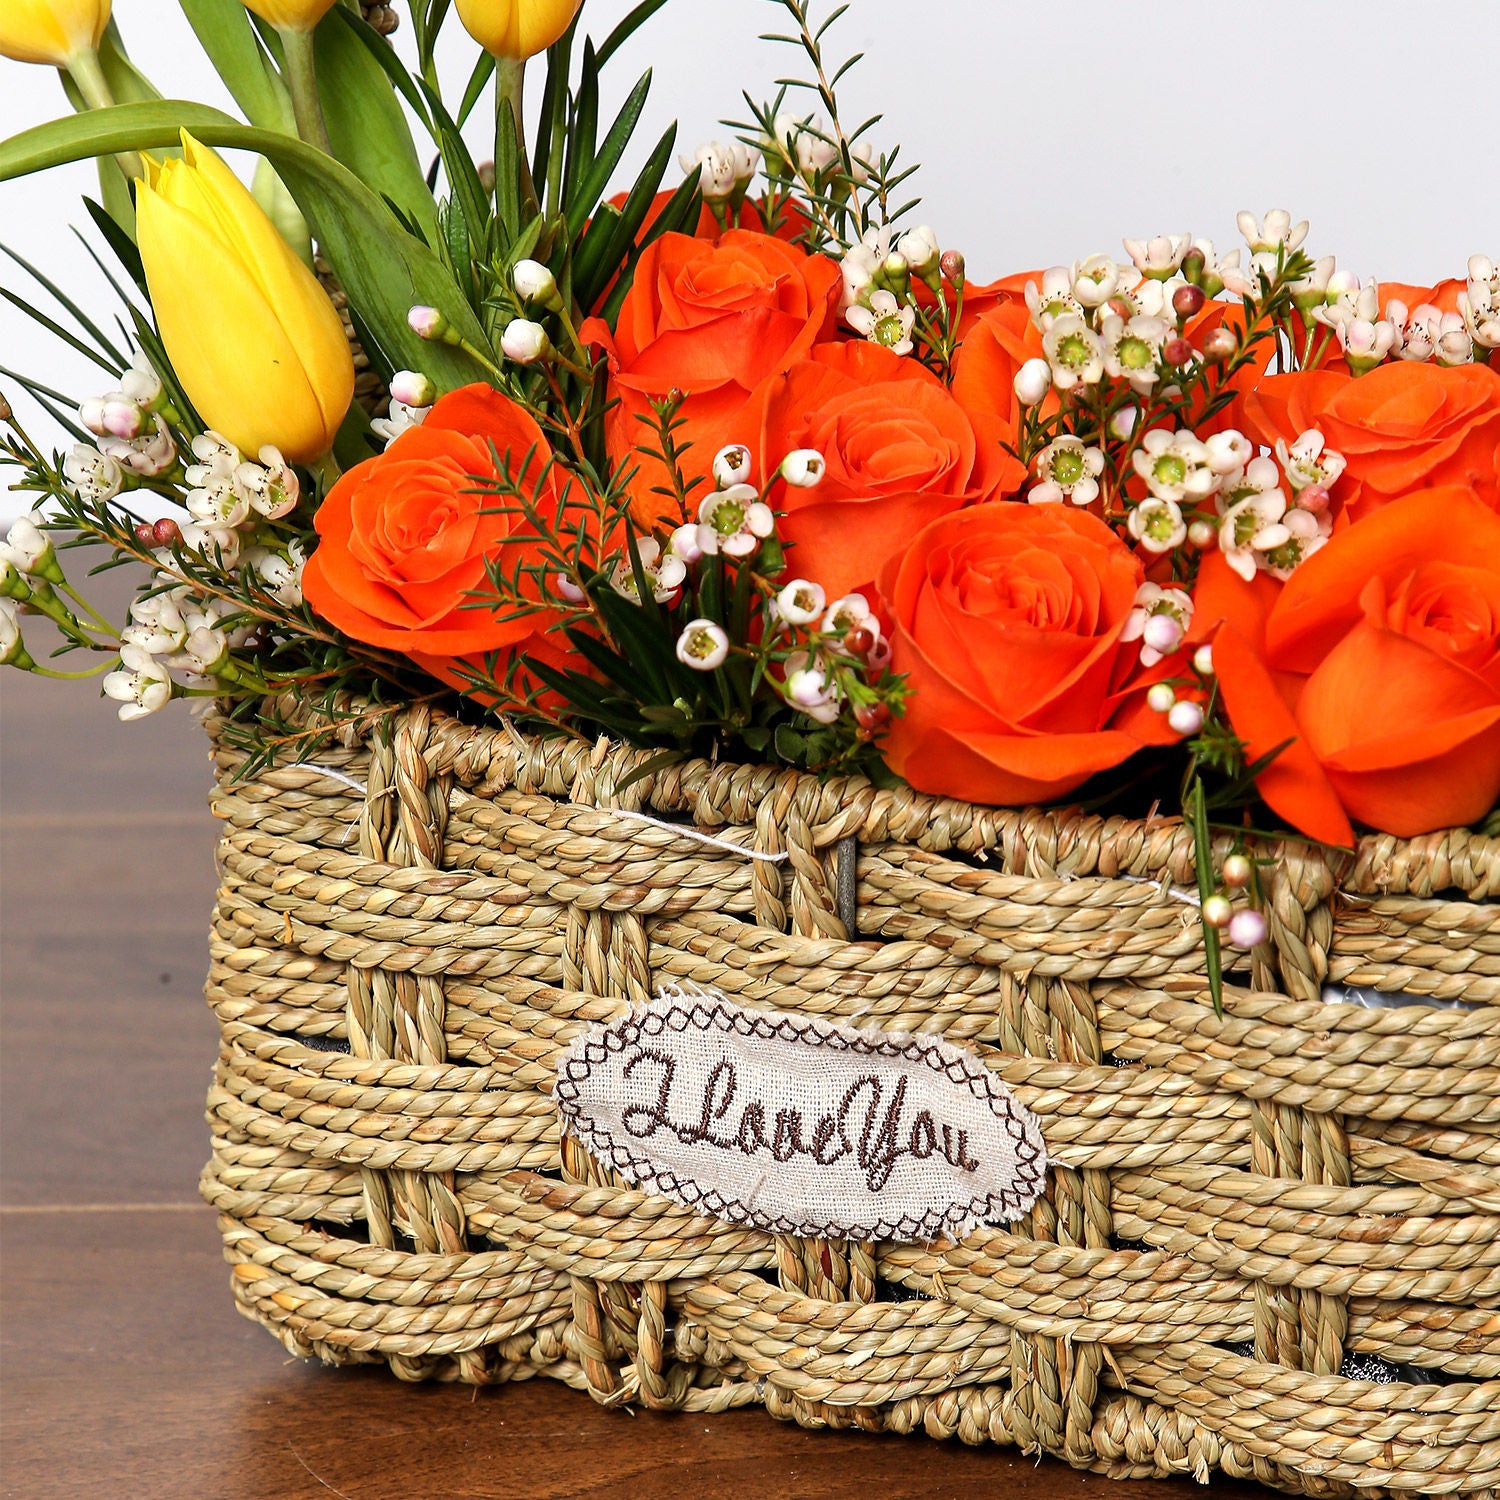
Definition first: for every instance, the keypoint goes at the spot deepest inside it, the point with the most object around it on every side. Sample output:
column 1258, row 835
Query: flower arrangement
column 747, row 466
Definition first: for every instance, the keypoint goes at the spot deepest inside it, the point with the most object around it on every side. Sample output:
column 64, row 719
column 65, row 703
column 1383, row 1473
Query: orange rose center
column 1452, row 609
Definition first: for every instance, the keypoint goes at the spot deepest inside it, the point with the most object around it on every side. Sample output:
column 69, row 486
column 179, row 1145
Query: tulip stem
column 510, row 115
column 326, row 471
column 301, row 75
column 88, row 77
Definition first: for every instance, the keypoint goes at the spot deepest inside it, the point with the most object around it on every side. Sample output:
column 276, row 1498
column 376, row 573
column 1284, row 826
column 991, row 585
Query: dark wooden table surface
column 126, row 1371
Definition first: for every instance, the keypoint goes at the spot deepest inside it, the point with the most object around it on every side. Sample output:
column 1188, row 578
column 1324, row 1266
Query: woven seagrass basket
column 410, row 931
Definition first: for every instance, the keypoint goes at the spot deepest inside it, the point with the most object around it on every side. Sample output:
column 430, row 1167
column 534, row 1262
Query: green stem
column 301, row 75
column 70, row 676
column 325, row 469
column 88, row 76
column 510, row 114
column 87, row 608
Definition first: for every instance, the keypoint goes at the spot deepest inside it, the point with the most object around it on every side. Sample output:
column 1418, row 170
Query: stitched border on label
column 711, row 1012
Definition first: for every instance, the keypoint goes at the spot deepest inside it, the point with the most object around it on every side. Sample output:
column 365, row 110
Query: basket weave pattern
column 410, row 931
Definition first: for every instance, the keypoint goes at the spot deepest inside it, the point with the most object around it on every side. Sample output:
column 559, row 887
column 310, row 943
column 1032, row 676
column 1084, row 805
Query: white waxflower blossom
column 29, row 549
column 1250, row 526
column 1095, row 280
column 279, row 573
column 220, row 544
column 920, row 249
column 732, row 465
column 270, row 487
column 723, row 168
column 664, row 574
column 801, row 602
column 1054, row 299
column 884, row 321
column 1160, row 621
column 1348, row 298
column 1074, row 351
column 1455, row 344
column 703, row 646
column 1417, row 329
column 1067, row 469
column 1153, row 299
column 12, row 647
column 140, row 383
column 93, row 476
column 803, row 468
column 152, row 453
column 156, row 624
column 1174, row 465
column 810, row 689
column 1159, row 256
column 1222, row 273
column 1257, row 477
column 692, row 541
column 1033, row 381
column 141, row 686
column 1275, row 232
column 862, row 264
column 402, row 418
column 1309, row 461
column 1306, row 534
column 1158, row 525
column 1311, row 291
column 804, row 143
column 1132, row 349
column 734, row 521
column 1229, row 451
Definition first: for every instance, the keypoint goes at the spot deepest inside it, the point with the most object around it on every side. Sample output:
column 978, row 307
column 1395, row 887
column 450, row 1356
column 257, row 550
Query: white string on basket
column 679, row 830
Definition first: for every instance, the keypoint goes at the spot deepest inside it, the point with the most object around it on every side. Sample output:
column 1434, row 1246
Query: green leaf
column 365, row 121
column 402, row 81
column 596, row 178
column 385, row 270
column 103, row 353
column 627, row 28
column 601, row 253
column 468, row 192
column 484, row 70
column 225, row 32
column 678, row 216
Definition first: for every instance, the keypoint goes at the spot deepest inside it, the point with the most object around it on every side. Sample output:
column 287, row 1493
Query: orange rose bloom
column 900, row 452
column 712, row 319
column 997, row 340
column 1007, row 621
column 1380, row 658
column 1404, row 426
column 404, row 538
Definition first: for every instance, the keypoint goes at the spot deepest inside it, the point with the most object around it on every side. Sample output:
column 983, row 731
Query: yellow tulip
column 51, row 31
column 516, row 29
column 249, row 330
column 291, row 15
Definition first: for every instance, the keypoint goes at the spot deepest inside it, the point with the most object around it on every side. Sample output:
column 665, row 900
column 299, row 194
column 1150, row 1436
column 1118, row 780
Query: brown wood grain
column 125, row 1370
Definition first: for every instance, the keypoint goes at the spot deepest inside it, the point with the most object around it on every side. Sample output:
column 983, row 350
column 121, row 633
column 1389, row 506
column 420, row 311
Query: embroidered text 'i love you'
column 798, row 1126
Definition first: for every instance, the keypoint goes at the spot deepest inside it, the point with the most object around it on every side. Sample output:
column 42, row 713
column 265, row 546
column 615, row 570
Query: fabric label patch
column 798, row 1126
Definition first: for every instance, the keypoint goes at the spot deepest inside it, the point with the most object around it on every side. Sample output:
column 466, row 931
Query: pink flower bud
column 1188, row 300
column 1177, row 352
column 426, row 322
column 412, row 388
column 524, row 341
column 1238, row 870
column 952, row 266
column 1160, row 698
column 1201, row 535
column 1315, row 499
column 1186, row 718
column 123, row 419
column 1247, row 929
column 1220, row 344
column 1163, row 634
column 1218, row 911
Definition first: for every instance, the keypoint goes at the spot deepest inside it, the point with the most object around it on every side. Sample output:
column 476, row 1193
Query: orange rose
column 404, row 536
column 1007, row 621
column 900, row 451
column 998, row 339
column 1380, row 659
column 1406, row 425
column 712, row 319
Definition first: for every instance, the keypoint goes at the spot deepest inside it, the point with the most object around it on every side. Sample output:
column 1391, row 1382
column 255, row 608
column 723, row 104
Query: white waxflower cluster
column 848, row 625
column 1368, row 336
column 228, row 496
column 131, row 438
column 1479, row 302
column 725, row 169
column 877, row 274
column 735, row 519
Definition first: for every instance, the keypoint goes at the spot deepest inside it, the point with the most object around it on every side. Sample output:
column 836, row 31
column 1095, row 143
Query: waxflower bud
column 291, row 15
column 30, row 549
column 1185, row 717
column 1177, row 352
column 804, row 468
column 953, row 267
column 1033, row 381
column 278, row 370
column 412, row 388
column 535, row 282
column 1218, row 911
column 1247, row 929
column 1219, row 345
column 524, row 341
column 1238, row 870
column 51, row 31
column 1188, row 300
column 1203, row 661
column 1201, row 534
column 1160, row 698
column 516, row 29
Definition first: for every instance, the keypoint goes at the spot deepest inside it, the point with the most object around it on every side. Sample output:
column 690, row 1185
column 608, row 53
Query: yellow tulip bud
column 516, row 29
column 249, row 330
column 51, row 31
column 291, row 15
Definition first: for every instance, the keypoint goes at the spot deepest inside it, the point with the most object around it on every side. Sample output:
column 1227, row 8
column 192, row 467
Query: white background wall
column 1045, row 130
